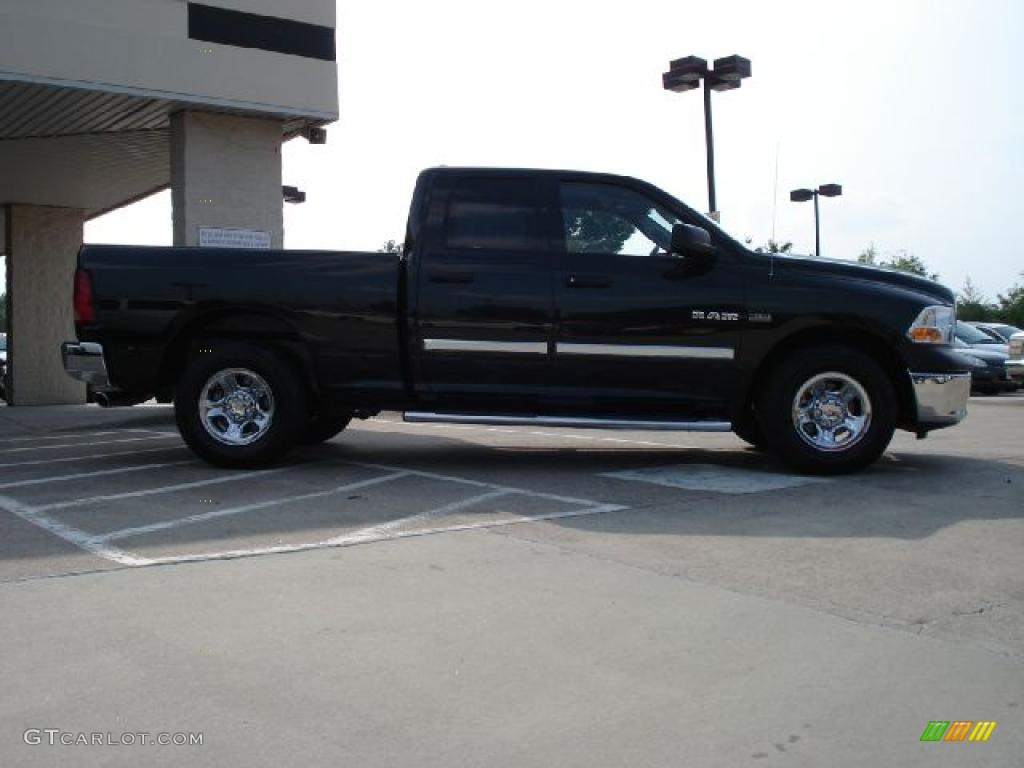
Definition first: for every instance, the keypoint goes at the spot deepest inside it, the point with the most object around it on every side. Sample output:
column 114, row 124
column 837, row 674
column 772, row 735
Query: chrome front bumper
column 1016, row 369
column 941, row 397
column 83, row 360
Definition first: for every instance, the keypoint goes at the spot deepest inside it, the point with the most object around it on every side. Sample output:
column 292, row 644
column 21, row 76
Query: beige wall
column 225, row 172
column 142, row 46
column 41, row 267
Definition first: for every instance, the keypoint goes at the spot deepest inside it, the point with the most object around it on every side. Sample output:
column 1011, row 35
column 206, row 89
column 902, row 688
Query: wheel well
column 826, row 336
column 265, row 330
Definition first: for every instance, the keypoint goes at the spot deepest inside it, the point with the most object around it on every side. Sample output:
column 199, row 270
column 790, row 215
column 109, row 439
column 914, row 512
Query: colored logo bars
column 958, row 730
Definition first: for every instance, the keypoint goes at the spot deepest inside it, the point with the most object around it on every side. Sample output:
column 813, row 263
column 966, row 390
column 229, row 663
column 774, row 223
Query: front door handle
column 451, row 278
column 587, row 281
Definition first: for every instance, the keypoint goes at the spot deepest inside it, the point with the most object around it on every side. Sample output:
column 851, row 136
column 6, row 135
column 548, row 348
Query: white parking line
column 83, row 445
column 359, row 537
column 101, row 547
column 474, row 483
column 88, row 457
column 97, row 473
column 67, row 435
column 72, row 535
column 242, row 475
column 379, row 531
column 202, row 517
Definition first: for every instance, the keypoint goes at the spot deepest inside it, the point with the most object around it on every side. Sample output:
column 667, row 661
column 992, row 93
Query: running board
column 425, row 417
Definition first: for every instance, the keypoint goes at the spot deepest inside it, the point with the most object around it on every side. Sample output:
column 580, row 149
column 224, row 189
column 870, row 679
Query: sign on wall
column 218, row 237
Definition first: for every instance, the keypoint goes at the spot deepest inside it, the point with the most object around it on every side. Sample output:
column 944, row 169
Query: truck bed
column 340, row 306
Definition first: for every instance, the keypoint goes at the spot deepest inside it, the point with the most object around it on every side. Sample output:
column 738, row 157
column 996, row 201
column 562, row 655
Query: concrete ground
column 460, row 596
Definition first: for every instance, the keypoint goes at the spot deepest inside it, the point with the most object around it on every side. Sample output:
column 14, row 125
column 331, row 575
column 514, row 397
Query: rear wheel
column 239, row 405
column 829, row 410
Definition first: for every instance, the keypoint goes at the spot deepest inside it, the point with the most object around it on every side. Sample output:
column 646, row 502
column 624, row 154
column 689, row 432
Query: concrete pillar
column 225, row 173
column 42, row 246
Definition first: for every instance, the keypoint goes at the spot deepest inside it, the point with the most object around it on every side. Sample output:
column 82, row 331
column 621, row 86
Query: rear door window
column 495, row 214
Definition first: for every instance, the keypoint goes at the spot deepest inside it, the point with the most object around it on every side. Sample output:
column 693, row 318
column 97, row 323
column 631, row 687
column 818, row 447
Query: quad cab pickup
column 523, row 297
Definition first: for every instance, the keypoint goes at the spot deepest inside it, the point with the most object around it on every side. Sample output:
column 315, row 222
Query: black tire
column 287, row 408
column 801, row 447
column 328, row 421
column 748, row 429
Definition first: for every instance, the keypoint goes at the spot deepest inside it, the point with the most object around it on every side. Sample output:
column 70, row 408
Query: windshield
column 972, row 335
column 1006, row 331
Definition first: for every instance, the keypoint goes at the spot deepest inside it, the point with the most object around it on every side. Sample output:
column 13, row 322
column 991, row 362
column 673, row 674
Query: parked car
column 978, row 339
column 1015, row 364
column 989, row 374
column 551, row 298
column 1001, row 332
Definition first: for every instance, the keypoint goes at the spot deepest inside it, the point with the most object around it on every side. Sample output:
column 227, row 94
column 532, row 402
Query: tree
column 905, row 261
column 1011, row 306
column 597, row 231
column 391, row 246
column 869, row 255
column 773, row 246
column 901, row 260
column 972, row 304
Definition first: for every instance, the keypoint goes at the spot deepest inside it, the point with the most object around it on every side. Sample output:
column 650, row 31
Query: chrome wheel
column 831, row 412
column 236, row 406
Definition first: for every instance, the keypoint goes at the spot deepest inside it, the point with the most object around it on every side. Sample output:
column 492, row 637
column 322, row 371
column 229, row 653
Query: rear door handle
column 451, row 278
column 587, row 281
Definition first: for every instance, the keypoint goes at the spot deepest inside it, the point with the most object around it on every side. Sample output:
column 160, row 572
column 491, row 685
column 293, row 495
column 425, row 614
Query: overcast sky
column 914, row 107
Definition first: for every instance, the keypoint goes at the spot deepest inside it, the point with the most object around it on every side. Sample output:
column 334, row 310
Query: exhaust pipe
column 116, row 399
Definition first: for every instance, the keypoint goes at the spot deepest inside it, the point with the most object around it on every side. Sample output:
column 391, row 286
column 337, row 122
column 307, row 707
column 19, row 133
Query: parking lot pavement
column 607, row 560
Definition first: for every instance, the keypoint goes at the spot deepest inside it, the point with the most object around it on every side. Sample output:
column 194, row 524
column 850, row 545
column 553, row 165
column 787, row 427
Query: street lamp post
column 685, row 75
column 803, row 195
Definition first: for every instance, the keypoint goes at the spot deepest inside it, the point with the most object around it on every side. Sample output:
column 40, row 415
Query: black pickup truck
column 523, row 297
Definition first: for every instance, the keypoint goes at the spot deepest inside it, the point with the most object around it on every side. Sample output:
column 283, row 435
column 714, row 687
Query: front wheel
column 829, row 410
column 239, row 405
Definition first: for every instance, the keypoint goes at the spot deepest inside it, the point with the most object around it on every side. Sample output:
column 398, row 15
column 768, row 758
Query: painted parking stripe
column 379, row 531
column 359, row 537
column 58, row 505
column 68, row 435
column 710, row 477
column 89, row 457
column 470, row 482
column 70, row 534
column 83, row 445
column 203, row 517
column 94, row 473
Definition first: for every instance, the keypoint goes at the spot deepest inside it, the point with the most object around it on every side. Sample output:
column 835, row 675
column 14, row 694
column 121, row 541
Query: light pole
column 803, row 195
column 685, row 75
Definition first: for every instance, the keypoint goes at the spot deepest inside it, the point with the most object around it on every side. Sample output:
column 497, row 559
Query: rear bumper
column 83, row 360
column 941, row 398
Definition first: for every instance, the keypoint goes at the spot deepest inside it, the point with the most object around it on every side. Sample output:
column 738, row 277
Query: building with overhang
column 104, row 102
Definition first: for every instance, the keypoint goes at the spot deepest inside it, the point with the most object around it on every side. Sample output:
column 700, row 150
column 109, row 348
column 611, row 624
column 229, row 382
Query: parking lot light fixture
column 803, row 195
column 727, row 74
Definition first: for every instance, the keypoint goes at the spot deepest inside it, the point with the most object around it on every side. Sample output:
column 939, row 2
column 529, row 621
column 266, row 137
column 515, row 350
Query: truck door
column 640, row 330
column 485, row 303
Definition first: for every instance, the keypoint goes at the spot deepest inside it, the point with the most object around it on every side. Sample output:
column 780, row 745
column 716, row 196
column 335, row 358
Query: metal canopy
column 92, row 149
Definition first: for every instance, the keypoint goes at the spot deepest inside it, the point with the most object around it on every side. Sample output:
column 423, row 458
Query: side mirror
column 688, row 240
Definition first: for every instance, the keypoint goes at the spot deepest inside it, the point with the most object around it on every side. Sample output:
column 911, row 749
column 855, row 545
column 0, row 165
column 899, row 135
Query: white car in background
column 1015, row 364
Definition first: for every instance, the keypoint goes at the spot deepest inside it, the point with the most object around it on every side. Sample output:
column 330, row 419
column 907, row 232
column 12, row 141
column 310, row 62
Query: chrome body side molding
column 427, row 417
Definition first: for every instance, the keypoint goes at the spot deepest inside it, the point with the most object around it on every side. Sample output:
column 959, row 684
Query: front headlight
column 934, row 325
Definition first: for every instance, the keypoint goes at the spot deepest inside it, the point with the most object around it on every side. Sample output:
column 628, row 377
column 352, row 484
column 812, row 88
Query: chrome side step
column 426, row 417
